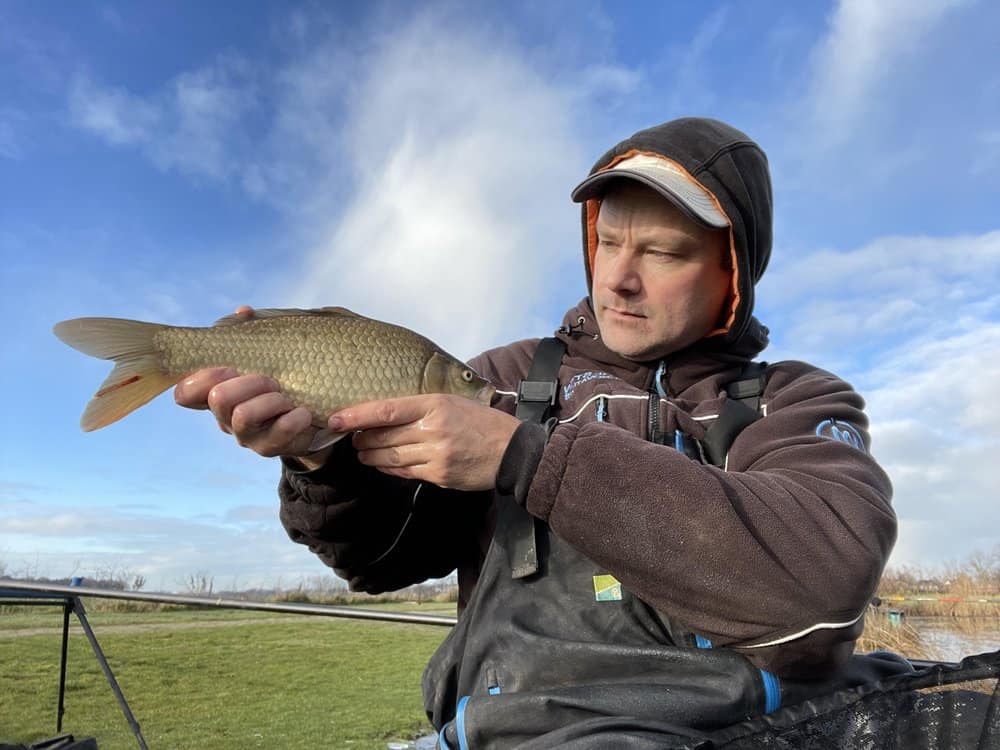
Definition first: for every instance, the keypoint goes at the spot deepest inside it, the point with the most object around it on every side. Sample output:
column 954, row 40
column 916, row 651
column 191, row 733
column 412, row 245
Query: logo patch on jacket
column 580, row 378
column 843, row 432
column 607, row 588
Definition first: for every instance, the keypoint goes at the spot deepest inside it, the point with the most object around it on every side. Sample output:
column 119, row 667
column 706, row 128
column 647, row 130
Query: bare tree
column 199, row 583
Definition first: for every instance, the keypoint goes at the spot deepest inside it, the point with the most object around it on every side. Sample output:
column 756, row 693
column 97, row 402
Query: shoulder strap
column 535, row 396
column 537, row 392
column 740, row 409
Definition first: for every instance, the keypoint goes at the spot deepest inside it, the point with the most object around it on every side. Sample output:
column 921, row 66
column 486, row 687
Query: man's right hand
column 252, row 409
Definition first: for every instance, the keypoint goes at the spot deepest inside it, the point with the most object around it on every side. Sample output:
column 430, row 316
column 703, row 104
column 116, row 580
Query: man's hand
column 447, row 440
column 251, row 409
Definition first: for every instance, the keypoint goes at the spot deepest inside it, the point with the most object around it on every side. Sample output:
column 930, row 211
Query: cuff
column 520, row 460
column 544, row 489
column 338, row 473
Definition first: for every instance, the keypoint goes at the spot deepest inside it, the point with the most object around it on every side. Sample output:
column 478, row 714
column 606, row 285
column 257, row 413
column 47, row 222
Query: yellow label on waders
column 607, row 588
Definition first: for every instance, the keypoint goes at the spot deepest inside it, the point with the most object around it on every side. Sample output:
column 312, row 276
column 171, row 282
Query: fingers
column 192, row 393
column 252, row 410
column 385, row 413
column 396, row 456
column 224, row 397
column 288, row 434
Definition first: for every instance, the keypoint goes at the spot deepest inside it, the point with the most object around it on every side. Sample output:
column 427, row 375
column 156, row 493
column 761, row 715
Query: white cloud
column 446, row 132
column 114, row 114
column 833, row 304
column 859, row 59
column 913, row 322
column 245, row 544
column 190, row 126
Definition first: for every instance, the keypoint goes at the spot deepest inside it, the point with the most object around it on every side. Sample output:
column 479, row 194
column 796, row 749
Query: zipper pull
column 602, row 409
column 661, row 371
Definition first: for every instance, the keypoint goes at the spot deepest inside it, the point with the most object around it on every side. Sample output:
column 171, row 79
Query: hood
column 733, row 168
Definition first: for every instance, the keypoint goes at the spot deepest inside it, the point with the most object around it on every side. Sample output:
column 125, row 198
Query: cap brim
column 676, row 189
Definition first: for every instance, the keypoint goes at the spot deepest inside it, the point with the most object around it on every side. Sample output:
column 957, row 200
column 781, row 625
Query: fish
column 324, row 359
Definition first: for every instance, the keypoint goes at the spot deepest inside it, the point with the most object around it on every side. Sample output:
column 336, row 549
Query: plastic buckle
column 538, row 391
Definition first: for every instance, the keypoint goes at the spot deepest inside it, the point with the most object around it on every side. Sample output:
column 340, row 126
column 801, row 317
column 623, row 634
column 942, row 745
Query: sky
column 170, row 161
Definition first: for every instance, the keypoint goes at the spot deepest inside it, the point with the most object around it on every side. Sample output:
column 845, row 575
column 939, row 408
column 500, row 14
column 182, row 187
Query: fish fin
column 338, row 312
column 324, row 438
column 436, row 373
column 131, row 384
column 108, row 338
column 137, row 377
column 275, row 312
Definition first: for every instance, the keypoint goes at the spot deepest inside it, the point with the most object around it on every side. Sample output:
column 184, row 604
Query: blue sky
column 170, row 161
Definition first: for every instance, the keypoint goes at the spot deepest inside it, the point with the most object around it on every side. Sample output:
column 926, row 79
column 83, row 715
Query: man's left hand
column 450, row 441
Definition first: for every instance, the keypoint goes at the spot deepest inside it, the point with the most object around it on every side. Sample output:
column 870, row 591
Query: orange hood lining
column 593, row 207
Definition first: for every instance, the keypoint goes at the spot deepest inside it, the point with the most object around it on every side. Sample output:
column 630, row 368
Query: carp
column 323, row 359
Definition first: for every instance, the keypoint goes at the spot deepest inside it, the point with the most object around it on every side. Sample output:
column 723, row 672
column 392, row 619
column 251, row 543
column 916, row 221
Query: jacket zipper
column 656, row 391
column 653, row 425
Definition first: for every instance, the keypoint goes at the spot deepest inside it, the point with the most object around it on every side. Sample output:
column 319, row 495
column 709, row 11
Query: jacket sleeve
column 378, row 532
column 778, row 556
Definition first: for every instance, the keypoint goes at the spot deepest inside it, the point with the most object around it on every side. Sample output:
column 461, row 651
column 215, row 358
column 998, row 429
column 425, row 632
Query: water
column 951, row 640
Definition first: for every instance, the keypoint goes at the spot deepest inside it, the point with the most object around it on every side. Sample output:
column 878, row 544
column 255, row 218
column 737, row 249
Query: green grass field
column 208, row 679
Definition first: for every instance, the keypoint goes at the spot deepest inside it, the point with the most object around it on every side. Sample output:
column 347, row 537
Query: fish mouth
column 485, row 395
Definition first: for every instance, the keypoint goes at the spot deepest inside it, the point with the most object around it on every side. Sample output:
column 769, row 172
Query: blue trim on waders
column 442, row 742
column 701, row 641
column 463, row 744
column 494, row 689
column 658, row 378
column 772, row 692
column 679, row 441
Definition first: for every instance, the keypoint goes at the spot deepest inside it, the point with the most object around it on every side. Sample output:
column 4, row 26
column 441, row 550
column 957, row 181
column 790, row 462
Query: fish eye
column 467, row 376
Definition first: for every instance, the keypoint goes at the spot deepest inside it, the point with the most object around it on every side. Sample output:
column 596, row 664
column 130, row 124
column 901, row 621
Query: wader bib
column 553, row 648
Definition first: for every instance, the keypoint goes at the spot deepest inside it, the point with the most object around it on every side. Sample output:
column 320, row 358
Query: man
column 640, row 565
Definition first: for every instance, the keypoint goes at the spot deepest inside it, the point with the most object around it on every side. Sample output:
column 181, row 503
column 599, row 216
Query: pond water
column 950, row 639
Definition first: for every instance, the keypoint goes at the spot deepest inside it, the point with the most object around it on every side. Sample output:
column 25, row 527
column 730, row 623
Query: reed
column 883, row 635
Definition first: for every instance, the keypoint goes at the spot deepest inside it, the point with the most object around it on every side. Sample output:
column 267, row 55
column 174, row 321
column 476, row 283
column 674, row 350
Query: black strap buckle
column 538, row 391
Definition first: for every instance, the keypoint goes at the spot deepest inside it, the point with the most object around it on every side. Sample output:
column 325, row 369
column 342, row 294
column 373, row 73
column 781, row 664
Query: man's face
column 659, row 283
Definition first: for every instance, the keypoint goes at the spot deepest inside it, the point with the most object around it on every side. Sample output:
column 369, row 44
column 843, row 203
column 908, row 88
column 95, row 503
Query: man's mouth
column 624, row 313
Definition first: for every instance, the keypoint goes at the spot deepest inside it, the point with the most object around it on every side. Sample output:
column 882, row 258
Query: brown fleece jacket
column 785, row 545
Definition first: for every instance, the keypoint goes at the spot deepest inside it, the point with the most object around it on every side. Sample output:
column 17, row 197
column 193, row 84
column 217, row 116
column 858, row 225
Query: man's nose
column 623, row 275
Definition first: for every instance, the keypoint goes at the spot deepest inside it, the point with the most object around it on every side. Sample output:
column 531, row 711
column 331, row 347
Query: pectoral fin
column 324, row 438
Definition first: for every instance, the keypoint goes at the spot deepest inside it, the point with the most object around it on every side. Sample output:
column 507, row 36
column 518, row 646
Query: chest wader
column 551, row 645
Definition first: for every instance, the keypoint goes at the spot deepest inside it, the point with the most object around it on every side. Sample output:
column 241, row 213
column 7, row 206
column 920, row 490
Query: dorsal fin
column 274, row 312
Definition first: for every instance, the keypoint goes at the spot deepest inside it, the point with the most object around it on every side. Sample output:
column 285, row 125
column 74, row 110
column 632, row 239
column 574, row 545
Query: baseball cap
column 664, row 176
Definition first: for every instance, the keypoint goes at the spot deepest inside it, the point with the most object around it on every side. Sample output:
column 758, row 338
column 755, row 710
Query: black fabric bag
column 61, row 742
column 938, row 708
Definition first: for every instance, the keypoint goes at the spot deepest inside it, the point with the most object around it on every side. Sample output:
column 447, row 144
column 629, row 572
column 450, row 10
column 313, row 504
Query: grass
column 298, row 682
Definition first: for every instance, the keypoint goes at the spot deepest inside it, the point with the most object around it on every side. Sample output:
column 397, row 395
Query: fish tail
column 138, row 376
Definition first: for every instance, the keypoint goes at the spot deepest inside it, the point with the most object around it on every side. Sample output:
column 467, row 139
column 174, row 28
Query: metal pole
column 67, row 608
column 200, row 601
column 82, row 617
